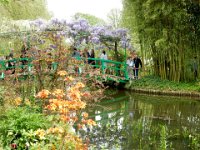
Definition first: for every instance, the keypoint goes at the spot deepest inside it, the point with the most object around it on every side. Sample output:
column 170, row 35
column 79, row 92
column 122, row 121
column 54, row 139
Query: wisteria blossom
column 95, row 40
column 81, row 31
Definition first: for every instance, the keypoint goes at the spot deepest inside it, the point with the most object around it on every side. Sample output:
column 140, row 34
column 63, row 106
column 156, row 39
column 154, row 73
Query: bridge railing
column 109, row 67
column 106, row 66
column 14, row 64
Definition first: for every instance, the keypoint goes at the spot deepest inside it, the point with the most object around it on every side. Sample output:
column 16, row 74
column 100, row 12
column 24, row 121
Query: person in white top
column 105, row 57
column 130, row 65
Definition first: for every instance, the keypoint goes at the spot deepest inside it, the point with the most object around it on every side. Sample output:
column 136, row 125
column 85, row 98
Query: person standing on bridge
column 10, row 64
column 130, row 65
column 137, row 61
column 92, row 55
column 103, row 57
column 76, row 54
column 86, row 55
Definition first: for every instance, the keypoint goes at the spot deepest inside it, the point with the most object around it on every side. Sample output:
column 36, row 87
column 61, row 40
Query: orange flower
column 84, row 121
column 40, row 133
column 82, row 105
column 50, row 130
column 85, row 115
column 73, row 90
column 69, row 78
column 75, row 96
column 65, row 118
column 75, row 105
column 51, row 107
column 58, row 93
column 18, row 101
column 80, row 85
column 91, row 122
column 62, row 73
column 74, row 119
column 43, row 94
column 64, row 111
column 79, row 126
column 57, row 130
column 86, row 94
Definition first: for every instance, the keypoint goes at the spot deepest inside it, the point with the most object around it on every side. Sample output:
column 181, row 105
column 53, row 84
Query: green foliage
column 18, row 124
column 156, row 83
column 163, row 138
column 11, row 12
column 167, row 32
column 24, row 9
column 93, row 20
column 2, row 91
column 4, row 1
column 114, row 18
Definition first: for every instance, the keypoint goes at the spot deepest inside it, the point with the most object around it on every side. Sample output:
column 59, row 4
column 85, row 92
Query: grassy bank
column 151, row 83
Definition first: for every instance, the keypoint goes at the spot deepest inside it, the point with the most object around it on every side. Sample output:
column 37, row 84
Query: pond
column 129, row 121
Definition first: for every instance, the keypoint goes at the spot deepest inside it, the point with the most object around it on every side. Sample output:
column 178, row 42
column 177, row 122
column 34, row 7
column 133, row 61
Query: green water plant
column 163, row 138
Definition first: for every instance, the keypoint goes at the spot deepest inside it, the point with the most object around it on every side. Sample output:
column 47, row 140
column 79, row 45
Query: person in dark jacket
column 92, row 55
column 195, row 67
column 138, row 63
column 10, row 64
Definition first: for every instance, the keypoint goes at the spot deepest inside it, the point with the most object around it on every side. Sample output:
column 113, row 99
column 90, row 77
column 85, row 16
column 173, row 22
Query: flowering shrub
column 62, row 109
column 66, row 105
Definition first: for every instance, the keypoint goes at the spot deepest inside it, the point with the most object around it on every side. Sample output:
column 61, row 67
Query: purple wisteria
column 81, row 31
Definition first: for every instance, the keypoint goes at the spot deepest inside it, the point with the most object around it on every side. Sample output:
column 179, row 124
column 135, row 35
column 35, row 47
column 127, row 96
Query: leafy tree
column 11, row 12
column 92, row 20
column 114, row 18
column 168, row 32
column 24, row 9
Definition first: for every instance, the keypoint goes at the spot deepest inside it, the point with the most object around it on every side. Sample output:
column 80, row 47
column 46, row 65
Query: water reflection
column 135, row 121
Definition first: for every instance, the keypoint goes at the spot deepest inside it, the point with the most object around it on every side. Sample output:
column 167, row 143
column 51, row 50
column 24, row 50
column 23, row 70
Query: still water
column 128, row 121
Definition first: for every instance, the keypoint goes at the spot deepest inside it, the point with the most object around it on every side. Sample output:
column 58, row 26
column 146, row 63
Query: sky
column 67, row 8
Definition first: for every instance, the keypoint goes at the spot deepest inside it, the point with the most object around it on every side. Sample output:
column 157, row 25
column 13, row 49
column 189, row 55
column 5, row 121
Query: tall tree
column 92, row 20
column 114, row 18
column 168, row 31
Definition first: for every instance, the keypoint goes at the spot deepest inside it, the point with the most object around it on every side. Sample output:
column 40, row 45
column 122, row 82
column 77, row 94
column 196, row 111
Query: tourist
column 10, row 64
column 86, row 55
column 2, row 59
column 130, row 65
column 24, row 57
column 103, row 57
column 195, row 68
column 138, row 63
column 76, row 54
column 92, row 55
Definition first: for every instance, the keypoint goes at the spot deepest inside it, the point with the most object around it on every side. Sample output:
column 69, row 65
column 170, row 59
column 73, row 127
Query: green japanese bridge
column 109, row 70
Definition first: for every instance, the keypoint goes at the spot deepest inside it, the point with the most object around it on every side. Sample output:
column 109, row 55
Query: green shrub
column 17, row 126
column 155, row 83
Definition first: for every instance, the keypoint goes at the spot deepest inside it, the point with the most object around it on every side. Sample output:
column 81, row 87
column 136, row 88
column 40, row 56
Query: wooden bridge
column 111, row 70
